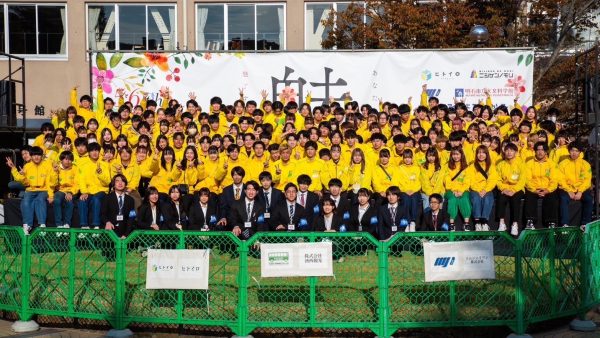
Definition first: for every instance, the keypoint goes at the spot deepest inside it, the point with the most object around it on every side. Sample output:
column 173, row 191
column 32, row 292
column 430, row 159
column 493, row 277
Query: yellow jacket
column 132, row 173
column 223, row 175
column 312, row 168
column 148, row 167
column 254, row 166
column 335, row 170
column 559, row 154
column 461, row 183
column 542, row 175
column 358, row 178
column 35, row 177
column 481, row 183
column 164, row 179
column 288, row 173
column 191, row 176
column 209, row 181
column 511, row 175
column 383, row 179
column 432, row 181
column 92, row 182
column 65, row 180
column 576, row 175
column 87, row 113
column 409, row 178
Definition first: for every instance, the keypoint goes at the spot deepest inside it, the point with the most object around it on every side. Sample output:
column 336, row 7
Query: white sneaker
column 478, row 227
column 26, row 229
column 485, row 227
column 82, row 235
column 96, row 235
column 43, row 233
column 407, row 228
column 502, row 227
column 413, row 227
column 514, row 229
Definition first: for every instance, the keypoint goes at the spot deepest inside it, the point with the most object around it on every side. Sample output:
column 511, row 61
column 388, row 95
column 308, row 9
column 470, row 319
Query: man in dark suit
column 390, row 216
column 230, row 194
column 435, row 219
column 118, row 211
column 307, row 199
column 269, row 196
column 289, row 215
column 247, row 214
column 203, row 213
column 342, row 203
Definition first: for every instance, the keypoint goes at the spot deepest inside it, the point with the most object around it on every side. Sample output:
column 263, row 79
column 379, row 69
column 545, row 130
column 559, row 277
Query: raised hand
column 120, row 92
column 10, row 163
column 264, row 94
column 424, row 86
column 192, row 95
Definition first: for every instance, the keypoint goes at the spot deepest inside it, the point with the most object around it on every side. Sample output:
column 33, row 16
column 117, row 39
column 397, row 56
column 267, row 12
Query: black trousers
column 549, row 207
column 514, row 202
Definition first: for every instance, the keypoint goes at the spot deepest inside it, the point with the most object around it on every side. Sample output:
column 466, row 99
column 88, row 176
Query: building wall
column 50, row 81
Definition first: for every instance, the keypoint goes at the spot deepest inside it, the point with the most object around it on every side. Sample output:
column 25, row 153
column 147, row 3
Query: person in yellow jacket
column 223, row 174
column 284, row 168
column 66, row 181
column 94, row 178
column 257, row 162
column 457, row 182
column 36, row 176
column 168, row 172
column 410, row 186
column 336, row 167
column 211, row 163
column 575, row 185
column 129, row 168
column 359, row 173
column 432, row 177
column 484, row 178
column 541, row 181
column 312, row 166
column 192, row 170
column 384, row 174
column 85, row 107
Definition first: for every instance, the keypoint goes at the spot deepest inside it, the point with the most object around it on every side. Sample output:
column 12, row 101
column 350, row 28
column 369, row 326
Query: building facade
column 54, row 37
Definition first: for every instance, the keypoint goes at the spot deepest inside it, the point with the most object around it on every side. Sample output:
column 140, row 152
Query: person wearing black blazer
column 328, row 220
column 390, row 215
column 307, row 199
column 118, row 208
column 269, row 196
column 435, row 219
column 289, row 215
column 247, row 215
column 203, row 214
column 149, row 216
column 174, row 216
column 230, row 194
column 363, row 214
column 342, row 203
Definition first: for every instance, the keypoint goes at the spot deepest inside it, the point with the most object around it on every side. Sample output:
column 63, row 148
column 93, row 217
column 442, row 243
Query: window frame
column 37, row 56
column 226, row 23
column 116, row 6
column 334, row 7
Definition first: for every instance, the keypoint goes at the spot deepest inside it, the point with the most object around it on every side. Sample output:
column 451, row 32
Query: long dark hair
column 463, row 159
column 184, row 162
column 163, row 162
column 436, row 163
column 488, row 161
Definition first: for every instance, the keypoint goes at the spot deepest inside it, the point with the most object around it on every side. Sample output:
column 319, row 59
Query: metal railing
column 377, row 286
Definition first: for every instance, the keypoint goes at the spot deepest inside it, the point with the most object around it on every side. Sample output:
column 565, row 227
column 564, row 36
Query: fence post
column 312, row 299
column 242, row 308
column 519, row 299
column 72, row 253
column 452, row 289
column 383, row 284
column 120, row 284
column 24, row 314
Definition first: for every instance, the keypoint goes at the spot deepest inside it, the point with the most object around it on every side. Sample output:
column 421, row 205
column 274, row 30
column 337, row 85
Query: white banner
column 296, row 259
column 459, row 260
column 177, row 269
column 391, row 75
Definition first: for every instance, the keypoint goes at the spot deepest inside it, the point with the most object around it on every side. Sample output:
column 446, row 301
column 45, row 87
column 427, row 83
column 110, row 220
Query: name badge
column 267, row 215
column 119, row 218
column 247, row 225
column 394, row 228
column 291, row 227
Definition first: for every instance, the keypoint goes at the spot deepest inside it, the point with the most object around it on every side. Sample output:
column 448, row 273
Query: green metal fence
column 377, row 286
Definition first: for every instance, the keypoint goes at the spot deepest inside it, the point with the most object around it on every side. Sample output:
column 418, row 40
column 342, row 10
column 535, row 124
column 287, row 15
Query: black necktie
column 249, row 210
column 434, row 221
column 120, row 204
column 393, row 214
column 267, row 202
column 291, row 213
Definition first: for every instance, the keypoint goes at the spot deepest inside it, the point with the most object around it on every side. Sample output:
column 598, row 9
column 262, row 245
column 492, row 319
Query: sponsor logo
column 426, row 75
column 459, row 92
column 279, row 258
column 433, row 92
column 474, row 74
column 492, row 74
column 444, row 261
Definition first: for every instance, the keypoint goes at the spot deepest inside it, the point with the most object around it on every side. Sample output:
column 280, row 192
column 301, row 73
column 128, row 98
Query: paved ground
column 557, row 329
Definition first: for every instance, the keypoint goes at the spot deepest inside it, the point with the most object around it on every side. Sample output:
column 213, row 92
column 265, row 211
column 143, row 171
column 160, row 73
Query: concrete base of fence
column 514, row 335
column 582, row 325
column 22, row 326
column 248, row 336
column 119, row 333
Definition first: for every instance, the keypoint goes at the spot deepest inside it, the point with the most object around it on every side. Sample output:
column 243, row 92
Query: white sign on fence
column 368, row 76
column 459, row 260
column 296, row 259
column 177, row 269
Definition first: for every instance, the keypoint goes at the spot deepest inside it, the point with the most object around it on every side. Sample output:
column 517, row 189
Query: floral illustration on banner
column 518, row 84
column 288, row 94
column 102, row 78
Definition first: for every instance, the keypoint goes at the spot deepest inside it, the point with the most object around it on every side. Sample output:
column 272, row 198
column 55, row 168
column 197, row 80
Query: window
column 31, row 29
column 131, row 27
column 316, row 32
column 240, row 27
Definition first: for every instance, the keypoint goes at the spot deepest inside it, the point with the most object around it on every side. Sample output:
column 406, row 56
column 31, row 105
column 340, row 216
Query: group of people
column 281, row 166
